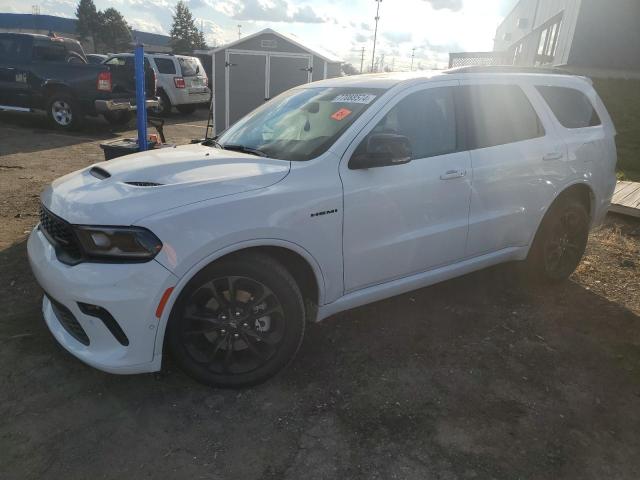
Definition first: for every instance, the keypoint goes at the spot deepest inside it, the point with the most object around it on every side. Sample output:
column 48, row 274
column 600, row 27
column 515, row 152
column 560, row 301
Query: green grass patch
column 622, row 98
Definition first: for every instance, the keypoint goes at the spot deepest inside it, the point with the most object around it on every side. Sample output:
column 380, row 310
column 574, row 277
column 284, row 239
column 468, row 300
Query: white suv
column 181, row 81
column 330, row 196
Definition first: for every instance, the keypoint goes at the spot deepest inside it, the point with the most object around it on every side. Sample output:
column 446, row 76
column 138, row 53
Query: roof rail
column 508, row 69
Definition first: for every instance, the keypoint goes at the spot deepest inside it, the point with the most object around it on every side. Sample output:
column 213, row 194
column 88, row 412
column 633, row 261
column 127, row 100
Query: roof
column 389, row 80
column 376, row 80
column 318, row 52
column 28, row 21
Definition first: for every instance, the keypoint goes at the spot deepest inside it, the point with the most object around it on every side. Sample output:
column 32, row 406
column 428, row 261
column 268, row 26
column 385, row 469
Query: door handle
column 549, row 157
column 451, row 174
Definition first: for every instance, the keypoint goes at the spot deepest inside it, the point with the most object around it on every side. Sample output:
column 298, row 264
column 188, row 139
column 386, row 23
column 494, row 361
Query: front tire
column 237, row 322
column 560, row 242
column 63, row 111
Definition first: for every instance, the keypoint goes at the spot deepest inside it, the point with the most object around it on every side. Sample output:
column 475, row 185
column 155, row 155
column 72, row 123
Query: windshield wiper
column 212, row 142
column 242, row 148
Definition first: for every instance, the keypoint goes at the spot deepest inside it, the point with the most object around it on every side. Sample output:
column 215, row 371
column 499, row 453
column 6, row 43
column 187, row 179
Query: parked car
column 51, row 73
column 182, row 80
column 330, row 196
column 96, row 58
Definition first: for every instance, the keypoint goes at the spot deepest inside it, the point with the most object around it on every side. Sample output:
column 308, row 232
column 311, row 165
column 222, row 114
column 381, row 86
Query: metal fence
column 468, row 59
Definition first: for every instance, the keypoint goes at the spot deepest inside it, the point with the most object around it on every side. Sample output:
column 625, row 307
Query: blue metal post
column 141, row 109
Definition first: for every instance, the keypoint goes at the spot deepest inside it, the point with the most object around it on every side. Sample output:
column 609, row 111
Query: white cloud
column 146, row 26
column 454, row 5
column 270, row 11
column 398, row 37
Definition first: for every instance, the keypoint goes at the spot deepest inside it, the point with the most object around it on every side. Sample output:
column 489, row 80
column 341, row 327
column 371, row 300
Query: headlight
column 118, row 243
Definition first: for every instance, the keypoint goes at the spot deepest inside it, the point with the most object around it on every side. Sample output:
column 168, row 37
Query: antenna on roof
column 35, row 9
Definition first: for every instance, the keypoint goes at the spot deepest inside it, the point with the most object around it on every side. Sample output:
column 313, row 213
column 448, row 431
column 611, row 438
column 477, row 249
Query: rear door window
column 14, row 48
column 498, row 115
column 165, row 65
column 46, row 50
column 571, row 107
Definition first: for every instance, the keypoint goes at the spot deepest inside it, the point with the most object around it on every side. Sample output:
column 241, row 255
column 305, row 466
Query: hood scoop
column 99, row 173
column 144, row 184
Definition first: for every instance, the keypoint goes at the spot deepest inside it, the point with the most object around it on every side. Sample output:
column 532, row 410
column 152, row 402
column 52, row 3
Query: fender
column 557, row 194
column 194, row 269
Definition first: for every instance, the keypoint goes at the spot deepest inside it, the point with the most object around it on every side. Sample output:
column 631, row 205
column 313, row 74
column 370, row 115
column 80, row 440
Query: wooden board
column 626, row 199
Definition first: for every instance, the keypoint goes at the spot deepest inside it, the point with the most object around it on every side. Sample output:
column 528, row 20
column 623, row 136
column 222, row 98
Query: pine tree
column 114, row 32
column 87, row 24
column 185, row 36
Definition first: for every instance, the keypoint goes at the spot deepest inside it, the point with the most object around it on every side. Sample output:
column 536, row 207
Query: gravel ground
column 481, row 377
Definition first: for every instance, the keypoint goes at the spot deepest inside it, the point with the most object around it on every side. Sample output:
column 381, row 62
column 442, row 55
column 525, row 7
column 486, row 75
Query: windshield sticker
column 341, row 114
column 364, row 98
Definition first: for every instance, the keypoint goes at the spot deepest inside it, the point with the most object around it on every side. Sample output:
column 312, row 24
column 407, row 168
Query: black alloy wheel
column 237, row 323
column 560, row 242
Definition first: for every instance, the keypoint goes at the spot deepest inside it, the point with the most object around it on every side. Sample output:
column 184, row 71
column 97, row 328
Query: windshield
column 299, row 124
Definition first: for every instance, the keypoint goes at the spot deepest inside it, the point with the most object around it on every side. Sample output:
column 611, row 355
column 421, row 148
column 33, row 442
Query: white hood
column 103, row 194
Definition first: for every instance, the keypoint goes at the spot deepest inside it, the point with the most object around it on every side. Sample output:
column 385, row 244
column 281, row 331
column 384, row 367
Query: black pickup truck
column 50, row 73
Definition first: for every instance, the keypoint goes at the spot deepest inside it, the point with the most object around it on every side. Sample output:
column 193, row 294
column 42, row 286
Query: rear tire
column 238, row 322
column 164, row 106
column 187, row 109
column 63, row 111
column 560, row 242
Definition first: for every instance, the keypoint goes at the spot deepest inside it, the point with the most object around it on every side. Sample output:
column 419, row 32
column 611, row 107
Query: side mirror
column 382, row 150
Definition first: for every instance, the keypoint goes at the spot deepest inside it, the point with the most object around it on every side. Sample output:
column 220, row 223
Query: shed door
column 286, row 73
column 247, row 80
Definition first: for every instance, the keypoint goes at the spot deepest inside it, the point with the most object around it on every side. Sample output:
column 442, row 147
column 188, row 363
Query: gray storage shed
column 253, row 69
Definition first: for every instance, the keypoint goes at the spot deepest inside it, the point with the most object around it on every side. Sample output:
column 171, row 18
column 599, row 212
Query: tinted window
column 49, row 51
column 165, row 65
column 12, row 48
column 116, row 61
column 571, row 107
column 427, row 119
column 499, row 114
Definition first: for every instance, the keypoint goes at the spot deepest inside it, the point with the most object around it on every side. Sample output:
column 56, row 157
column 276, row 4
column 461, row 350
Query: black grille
column 69, row 322
column 61, row 236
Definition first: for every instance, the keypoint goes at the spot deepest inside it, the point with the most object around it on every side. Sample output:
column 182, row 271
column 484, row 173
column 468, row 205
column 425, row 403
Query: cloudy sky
column 432, row 27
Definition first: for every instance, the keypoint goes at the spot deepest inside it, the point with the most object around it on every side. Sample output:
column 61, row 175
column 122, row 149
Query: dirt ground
column 477, row 378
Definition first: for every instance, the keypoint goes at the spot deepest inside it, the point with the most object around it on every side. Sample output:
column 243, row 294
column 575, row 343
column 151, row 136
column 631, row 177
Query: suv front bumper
column 129, row 292
column 106, row 106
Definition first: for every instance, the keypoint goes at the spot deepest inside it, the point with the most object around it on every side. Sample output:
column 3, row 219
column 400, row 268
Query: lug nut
column 236, row 335
column 245, row 325
column 223, row 332
column 237, row 314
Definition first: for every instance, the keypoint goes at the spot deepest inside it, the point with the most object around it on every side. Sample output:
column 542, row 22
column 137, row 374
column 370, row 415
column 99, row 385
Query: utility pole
column 382, row 62
column 362, row 60
column 239, row 31
column 393, row 64
column 413, row 54
column 375, row 34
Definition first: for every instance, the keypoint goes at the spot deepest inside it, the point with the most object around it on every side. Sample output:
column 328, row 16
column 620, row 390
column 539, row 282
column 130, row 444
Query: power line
column 375, row 34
